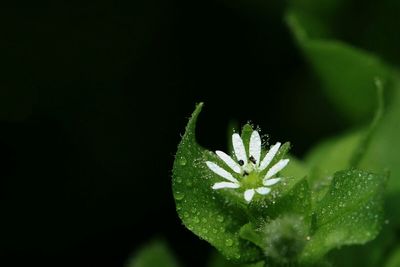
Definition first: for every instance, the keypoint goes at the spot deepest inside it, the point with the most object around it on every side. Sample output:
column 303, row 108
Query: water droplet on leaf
column 229, row 242
column 182, row 161
column 179, row 195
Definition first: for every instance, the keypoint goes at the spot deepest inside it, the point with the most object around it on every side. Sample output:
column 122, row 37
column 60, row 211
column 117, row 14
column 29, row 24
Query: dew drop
column 229, row 242
column 179, row 195
column 182, row 161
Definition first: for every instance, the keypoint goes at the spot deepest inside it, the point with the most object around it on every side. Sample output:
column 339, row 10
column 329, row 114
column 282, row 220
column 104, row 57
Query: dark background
column 94, row 97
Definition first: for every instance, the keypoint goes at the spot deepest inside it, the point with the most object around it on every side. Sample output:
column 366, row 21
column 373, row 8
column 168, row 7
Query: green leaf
column 382, row 154
column 217, row 260
column 247, row 232
column 154, row 254
column 350, row 213
column 342, row 152
column 394, row 259
column 329, row 156
column 214, row 216
column 296, row 201
column 347, row 73
column 371, row 254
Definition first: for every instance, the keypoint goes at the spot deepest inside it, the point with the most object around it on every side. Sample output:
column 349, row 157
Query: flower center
column 252, row 180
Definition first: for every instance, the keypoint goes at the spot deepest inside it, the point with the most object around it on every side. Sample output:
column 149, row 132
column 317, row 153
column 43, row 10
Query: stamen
column 245, row 173
column 252, row 159
column 241, row 162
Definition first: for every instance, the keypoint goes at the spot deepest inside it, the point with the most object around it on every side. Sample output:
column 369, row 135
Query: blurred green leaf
column 329, row 156
column 382, row 155
column 202, row 210
column 372, row 254
column 350, row 213
column 394, row 259
column 154, row 254
column 342, row 152
column 346, row 73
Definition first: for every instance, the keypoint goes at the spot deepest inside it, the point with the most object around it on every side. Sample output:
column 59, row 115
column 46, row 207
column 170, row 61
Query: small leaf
column 247, row 232
column 214, row 216
column 350, row 213
column 154, row 254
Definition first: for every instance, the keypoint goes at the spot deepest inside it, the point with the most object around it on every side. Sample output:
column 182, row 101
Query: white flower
column 248, row 172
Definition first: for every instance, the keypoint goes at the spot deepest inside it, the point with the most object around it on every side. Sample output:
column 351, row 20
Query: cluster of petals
column 245, row 163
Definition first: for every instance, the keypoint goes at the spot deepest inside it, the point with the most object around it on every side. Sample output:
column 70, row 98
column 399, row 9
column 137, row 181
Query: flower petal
column 229, row 161
column 263, row 190
column 225, row 185
column 255, row 146
column 221, row 172
column 270, row 155
column 277, row 168
column 249, row 194
column 268, row 182
column 238, row 146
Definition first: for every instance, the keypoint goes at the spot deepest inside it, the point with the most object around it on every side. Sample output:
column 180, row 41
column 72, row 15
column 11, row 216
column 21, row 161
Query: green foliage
column 331, row 59
column 208, row 214
column 328, row 157
column 154, row 254
column 346, row 73
column 297, row 223
column 394, row 259
column 332, row 199
column 350, row 213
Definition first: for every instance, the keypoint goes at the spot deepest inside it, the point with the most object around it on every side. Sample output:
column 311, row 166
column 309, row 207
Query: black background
column 94, row 97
